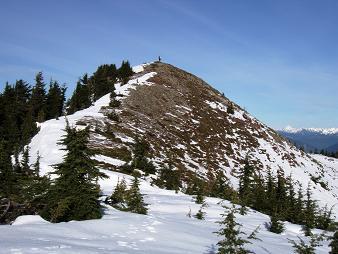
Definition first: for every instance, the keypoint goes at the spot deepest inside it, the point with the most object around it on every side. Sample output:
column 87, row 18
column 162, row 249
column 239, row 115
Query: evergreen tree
column 36, row 165
column 74, row 194
column 25, row 162
column 135, row 199
column 119, row 195
column 29, row 127
column 275, row 225
column 20, row 105
column 200, row 215
column 169, row 178
column 270, row 187
column 334, row 244
column 199, row 198
column 55, row 100
column 103, row 80
column 7, row 177
column 281, row 194
column 309, row 212
column 34, row 187
column 299, row 206
column 324, row 219
column 124, row 72
column 114, row 103
column 38, row 99
column 81, row 97
column 220, row 187
column 303, row 248
column 291, row 202
column 245, row 184
column 259, row 197
column 10, row 120
column 230, row 109
column 232, row 243
column 140, row 157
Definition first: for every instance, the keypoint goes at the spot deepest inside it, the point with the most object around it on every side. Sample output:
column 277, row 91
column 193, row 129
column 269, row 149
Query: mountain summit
column 188, row 124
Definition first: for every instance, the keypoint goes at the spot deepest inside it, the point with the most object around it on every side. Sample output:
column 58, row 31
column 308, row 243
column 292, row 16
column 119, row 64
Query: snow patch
column 29, row 220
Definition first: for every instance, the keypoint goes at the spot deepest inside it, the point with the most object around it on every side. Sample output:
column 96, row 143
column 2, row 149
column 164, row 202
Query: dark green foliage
column 140, row 160
column 25, row 168
column 36, row 166
column 55, row 100
column 309, row 213
column 119, row 196
column 74, row 194
column 276, row 196
column 220, row 187
column 28, row 128
column 17, row 125
column 196, row 187
column 114, row 103
column 259, row 197
column 302, row 248
column 281, row 193
column 230, row 109
column 113, row 116
column 200, row 215
column 169, row 178
column 254, row 233
column 232, row 242
column 128, row 199
column 38, row 99
column 22, row 187
column 7, row 177
column 135, row 199
column 103, row 80
column 34, row 187
column 299, row 206
column 199, row 198
column 81, row 97
column 246, row 184
column 291, row 201
column 334, row 244
column 270, row 191
column 275, row 226
column 325, row 220
column 124, row 72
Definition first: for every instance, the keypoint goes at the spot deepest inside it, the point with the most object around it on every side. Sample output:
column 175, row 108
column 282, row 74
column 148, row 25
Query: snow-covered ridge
column 45, row 142
column 140, row 68
column 324, row 131
column 167, row 229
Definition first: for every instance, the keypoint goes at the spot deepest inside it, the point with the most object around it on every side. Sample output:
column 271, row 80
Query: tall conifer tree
column 75, row 193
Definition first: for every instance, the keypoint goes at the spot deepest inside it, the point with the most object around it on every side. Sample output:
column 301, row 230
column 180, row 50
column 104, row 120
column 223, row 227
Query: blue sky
column 278, row 59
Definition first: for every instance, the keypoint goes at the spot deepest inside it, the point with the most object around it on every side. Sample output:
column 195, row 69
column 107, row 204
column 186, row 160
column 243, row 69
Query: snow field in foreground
column 166, row 229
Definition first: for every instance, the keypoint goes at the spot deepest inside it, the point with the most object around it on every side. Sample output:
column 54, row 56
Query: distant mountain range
column 312, row 139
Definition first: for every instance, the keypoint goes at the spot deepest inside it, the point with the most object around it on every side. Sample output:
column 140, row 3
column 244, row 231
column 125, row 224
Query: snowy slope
column 46, row 141
column 246, row 136
column 166, row 229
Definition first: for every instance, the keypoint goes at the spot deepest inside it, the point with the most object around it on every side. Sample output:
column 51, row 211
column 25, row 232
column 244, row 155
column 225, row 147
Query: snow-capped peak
column 324, row 131
column 290, row 129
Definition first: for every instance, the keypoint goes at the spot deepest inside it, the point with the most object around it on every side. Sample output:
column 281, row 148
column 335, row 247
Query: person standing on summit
column 159, row 58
